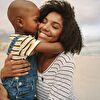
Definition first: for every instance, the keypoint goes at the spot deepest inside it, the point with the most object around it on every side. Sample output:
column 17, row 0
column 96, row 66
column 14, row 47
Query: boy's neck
column 22, row 33
column 19, row 32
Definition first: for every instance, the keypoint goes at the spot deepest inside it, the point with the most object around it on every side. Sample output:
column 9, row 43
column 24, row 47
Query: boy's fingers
column 20, row 71
column 18, row 62
column 21, row 74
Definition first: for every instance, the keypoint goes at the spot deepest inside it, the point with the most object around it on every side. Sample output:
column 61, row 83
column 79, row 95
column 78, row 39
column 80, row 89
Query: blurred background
column 87, row 15
column 87, row 77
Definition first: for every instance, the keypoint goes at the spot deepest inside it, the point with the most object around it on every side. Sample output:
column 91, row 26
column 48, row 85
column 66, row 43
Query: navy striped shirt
column 56, row 82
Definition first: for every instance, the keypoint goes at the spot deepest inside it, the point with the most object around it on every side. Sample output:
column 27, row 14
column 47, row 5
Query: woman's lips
column 45, row 33
column 42, row 35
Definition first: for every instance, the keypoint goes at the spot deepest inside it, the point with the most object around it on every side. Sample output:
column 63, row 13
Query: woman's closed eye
column 55, row 26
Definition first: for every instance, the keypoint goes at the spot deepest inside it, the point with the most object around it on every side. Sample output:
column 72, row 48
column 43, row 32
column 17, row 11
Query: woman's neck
column 44, row 61
column 48, row 56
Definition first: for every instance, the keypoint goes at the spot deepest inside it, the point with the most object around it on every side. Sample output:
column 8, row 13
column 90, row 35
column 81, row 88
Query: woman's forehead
column 54, row 17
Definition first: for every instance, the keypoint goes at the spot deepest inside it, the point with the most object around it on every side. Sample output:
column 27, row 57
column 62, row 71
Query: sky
column 87, row 15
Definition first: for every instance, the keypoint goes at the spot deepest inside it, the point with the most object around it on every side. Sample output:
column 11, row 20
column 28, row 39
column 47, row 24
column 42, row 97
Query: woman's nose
column 46, row 27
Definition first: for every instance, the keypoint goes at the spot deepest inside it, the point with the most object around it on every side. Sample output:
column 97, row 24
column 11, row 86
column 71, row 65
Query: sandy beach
column 86, row 77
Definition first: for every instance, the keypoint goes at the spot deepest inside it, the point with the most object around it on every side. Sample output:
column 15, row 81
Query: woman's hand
column 3, row 93
column 14, row 67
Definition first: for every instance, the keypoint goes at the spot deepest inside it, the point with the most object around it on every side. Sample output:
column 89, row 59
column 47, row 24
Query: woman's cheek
column 40, row 26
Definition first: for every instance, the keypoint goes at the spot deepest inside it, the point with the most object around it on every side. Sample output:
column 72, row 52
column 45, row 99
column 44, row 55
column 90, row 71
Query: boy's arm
column 52, row 48
column 30, row 46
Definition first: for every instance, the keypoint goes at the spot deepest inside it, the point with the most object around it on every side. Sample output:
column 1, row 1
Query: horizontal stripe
column 57, row 79
column 24, row 46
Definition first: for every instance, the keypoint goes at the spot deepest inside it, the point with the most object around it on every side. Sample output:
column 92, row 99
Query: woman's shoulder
column 68, row 56
column 65, row 57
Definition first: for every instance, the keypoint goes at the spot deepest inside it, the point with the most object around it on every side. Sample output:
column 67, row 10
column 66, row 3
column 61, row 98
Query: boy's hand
column 14, row 68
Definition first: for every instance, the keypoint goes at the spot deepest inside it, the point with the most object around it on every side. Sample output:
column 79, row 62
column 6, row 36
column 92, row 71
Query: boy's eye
column 35, row 20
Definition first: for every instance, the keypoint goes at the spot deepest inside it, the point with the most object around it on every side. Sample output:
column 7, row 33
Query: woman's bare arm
column 3, row 93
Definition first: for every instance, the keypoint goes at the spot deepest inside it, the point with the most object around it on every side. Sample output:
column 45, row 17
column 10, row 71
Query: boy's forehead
column 21, row 8
column 30, row 11
column 22, row 5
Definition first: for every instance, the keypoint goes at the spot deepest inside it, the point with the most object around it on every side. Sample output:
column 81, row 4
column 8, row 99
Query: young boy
column 24, row 15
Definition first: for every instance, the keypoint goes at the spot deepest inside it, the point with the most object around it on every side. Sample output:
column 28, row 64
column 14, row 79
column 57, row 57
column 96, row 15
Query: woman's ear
column 19, row 22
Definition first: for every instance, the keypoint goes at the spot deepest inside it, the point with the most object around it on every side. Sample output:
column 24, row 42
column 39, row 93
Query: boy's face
column 30, row 21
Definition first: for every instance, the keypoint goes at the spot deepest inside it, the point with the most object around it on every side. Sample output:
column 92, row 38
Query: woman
column 55, row 72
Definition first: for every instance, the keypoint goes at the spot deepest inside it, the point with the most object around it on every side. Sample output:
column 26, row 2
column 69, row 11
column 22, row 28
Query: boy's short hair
column 19, row 8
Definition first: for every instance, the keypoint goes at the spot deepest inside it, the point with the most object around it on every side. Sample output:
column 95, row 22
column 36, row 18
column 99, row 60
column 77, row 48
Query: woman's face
column 51, row 27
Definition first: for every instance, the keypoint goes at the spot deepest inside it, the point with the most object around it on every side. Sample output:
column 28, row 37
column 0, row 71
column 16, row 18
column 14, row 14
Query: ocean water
column 91, row 49
column 2, row 59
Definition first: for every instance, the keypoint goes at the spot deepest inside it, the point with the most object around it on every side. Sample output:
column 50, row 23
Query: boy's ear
column 19, row 22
